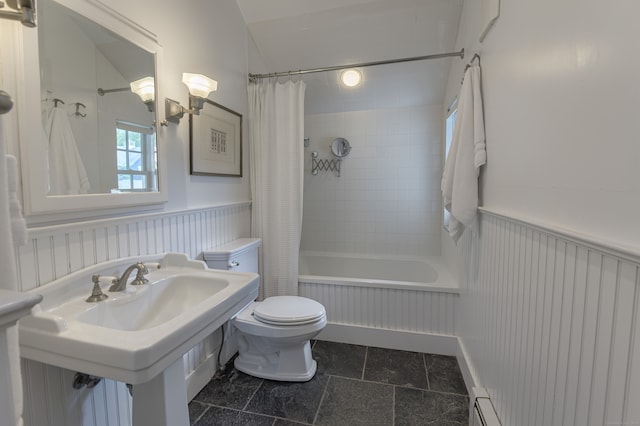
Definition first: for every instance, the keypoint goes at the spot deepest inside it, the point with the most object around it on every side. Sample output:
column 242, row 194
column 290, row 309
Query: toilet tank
column 239, row 255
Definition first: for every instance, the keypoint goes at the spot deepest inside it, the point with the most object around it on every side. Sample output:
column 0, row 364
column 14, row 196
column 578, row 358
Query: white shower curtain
column 276, row 134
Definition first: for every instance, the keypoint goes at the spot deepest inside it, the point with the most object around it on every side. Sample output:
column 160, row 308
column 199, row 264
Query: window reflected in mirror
column 136, row 158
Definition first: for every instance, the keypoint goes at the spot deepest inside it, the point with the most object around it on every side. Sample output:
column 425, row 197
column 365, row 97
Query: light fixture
column 199, row 88
column 25, row 11
column 351, row 77
column 145, row 88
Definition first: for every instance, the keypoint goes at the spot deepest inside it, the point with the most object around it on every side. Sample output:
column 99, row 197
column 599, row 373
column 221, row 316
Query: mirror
column 97, row 145
column 340, row 147
column 101, row 135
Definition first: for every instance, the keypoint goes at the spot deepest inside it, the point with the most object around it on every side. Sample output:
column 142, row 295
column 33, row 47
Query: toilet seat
column 288, row 311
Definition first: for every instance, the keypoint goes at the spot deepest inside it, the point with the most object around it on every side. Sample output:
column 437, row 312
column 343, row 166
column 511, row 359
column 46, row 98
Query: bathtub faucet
column 121, row 283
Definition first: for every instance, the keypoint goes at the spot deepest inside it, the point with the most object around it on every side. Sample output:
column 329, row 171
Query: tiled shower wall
column 387, row 198
column 56, row 251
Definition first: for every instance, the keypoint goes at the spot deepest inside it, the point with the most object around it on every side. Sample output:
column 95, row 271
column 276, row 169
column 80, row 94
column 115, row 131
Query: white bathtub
column 420, row 274
column 407, row 304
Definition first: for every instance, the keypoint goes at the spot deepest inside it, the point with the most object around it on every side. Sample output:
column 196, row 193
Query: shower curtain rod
column 254, row 77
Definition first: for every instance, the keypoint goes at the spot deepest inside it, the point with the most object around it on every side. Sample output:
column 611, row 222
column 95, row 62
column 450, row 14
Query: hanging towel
column 11, row 393
column 466, row 155
column 67, row 174
column 18, row 224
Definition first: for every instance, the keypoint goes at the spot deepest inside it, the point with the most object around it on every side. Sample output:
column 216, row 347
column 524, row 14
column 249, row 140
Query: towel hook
column 476, row 56
column 78, row 113
column 56, row 101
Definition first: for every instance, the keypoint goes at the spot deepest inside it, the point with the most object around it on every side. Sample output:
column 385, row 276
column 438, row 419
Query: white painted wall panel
column 55, row 251
column 386, row 308
column 550, row 324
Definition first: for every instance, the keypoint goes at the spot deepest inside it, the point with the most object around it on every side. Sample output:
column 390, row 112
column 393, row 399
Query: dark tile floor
column 354, row 385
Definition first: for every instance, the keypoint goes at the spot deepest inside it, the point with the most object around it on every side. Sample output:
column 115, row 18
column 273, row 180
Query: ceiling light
column 351, row 77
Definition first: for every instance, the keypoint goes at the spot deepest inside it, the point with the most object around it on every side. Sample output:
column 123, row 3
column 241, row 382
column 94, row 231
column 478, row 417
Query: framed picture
column 215, row 141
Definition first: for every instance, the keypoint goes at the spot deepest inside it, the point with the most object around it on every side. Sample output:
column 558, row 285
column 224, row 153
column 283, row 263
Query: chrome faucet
column 121, row 283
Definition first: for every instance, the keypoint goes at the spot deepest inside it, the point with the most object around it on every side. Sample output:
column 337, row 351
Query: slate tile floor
column 354, row 385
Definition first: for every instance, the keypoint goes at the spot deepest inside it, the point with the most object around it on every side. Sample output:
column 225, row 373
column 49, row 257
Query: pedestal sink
column 139, row 335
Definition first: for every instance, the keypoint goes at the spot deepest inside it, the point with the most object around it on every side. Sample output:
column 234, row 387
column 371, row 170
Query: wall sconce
column 25, row 11
column 145, row 88
column 199, row 88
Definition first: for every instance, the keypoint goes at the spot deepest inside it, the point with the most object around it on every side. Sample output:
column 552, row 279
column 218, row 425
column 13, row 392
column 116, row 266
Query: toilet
column 272, row 335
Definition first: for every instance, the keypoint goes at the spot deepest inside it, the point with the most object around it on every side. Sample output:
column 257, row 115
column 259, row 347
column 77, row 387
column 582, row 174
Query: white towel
column 11, row 393
column 466, row 155
column 18, row 224
column 67, row 174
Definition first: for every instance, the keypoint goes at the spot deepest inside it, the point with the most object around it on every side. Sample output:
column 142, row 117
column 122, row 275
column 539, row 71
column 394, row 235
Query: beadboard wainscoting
column 421, row 320
column 55, row 251
column 549, row 324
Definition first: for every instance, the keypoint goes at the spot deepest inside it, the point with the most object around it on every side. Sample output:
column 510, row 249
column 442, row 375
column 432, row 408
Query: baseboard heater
column 482, row 411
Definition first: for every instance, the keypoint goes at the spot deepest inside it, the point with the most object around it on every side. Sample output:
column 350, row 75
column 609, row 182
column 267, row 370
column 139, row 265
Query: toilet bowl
column 273, row 338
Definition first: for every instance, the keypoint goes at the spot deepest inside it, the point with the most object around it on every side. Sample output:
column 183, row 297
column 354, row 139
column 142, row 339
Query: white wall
column 208, row 38
column 560, row 93
column 387, row 199
column 550, row 323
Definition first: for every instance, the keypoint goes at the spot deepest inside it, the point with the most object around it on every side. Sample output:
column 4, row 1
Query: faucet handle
column 142, row 271
column 96, row 293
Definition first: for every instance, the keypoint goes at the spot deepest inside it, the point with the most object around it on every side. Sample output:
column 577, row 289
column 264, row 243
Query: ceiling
column 304, row 34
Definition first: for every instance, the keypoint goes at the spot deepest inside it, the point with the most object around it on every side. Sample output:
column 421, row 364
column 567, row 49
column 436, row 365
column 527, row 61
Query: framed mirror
column 89, row 117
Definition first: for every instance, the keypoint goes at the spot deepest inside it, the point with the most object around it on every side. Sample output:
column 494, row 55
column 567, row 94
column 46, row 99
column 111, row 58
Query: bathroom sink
column 135, row 334
column 153, row 304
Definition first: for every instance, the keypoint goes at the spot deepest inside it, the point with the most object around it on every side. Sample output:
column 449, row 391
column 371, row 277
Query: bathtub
column 419, row 274
column 398, row 303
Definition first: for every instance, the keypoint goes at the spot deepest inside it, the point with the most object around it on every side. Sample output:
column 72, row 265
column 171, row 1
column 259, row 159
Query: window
column 137, row 157
column 448, row 137
column 451, row 122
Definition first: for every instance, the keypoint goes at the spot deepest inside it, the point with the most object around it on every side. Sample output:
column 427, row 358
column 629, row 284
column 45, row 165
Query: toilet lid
column 288, row 310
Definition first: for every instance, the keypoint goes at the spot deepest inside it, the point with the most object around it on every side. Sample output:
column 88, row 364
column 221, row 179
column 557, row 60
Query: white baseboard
column 468, row 373
column 440, row 344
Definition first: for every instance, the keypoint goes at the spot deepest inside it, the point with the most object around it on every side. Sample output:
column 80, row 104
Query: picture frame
column 215, row 141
